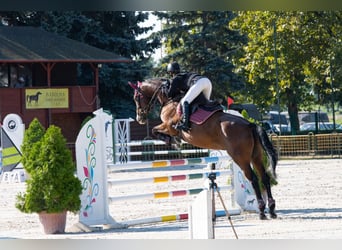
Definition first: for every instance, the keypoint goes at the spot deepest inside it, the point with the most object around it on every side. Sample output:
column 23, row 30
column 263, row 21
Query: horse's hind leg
column 266, row 181
column 271, row 202
column 261, row 202
column 253, row 178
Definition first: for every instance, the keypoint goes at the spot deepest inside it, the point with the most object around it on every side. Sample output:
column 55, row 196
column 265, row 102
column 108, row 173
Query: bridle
column 144, row 111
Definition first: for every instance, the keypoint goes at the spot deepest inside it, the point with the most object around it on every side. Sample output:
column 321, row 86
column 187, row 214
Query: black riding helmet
column 173, row 68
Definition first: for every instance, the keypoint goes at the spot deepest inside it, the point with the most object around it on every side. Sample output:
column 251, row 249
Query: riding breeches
column 202, row 85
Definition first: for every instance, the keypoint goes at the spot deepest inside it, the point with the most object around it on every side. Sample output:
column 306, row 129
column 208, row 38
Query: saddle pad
column 201, row 115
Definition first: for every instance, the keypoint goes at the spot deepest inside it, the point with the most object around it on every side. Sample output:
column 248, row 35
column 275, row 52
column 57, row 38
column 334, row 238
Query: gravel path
column 308, row 195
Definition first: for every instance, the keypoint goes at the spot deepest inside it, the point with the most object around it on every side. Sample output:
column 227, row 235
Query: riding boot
column 184, row 124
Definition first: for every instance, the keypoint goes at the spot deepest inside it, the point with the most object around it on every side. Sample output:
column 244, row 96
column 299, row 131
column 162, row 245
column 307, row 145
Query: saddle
column 199, row 113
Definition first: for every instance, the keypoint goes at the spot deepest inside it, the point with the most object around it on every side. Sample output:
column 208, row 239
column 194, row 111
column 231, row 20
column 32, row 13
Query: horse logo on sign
column 31, row 98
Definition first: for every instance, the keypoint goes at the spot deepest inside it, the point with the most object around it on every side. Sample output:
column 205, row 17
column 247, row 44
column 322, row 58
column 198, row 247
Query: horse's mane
column 156, row 81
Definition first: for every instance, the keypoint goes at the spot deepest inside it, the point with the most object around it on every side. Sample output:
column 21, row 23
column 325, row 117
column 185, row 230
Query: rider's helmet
column 173, row 68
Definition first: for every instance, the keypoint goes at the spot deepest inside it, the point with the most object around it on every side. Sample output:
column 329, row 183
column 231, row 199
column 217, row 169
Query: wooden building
column 45, row 64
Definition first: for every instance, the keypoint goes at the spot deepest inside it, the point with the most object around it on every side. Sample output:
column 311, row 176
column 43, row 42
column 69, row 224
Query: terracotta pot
column 53, row 223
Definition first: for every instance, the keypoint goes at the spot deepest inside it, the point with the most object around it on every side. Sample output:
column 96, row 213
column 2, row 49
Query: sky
column 152, row 21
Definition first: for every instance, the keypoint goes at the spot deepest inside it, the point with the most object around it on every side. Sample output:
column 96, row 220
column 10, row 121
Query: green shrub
column 30, row 145
column 52, row 186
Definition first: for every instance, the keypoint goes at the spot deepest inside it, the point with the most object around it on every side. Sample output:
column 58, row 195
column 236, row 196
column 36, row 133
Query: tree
column 202, row 42
column 305, row 42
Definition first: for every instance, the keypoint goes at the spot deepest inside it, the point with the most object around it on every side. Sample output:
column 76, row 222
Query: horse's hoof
column 262, row 217
column 273, row 215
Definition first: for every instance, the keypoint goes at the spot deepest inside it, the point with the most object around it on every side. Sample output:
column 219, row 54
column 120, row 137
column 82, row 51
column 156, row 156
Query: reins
column 152, row 101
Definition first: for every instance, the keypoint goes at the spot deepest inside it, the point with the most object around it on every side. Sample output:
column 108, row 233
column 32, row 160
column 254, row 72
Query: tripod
column 213, row 187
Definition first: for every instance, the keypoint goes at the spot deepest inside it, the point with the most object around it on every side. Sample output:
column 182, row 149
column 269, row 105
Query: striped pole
column 166, row 218
column 167, row 163
column 143, row 143
column 175, row 217
column 172, row 178
column 146, row 143
column 163, row 195
column 122, row 150
column 167, row 152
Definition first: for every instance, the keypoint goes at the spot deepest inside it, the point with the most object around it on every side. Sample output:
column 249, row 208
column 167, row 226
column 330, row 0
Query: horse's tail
column 268, row 147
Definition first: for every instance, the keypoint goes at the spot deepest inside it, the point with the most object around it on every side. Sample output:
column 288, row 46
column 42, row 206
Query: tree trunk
column 292, row 108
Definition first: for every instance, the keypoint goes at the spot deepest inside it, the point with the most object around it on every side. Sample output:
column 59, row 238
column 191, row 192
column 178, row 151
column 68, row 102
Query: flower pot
column 53, row 223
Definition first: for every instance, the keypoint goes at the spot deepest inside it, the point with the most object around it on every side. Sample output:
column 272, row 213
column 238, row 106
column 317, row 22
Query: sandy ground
column 308, row 196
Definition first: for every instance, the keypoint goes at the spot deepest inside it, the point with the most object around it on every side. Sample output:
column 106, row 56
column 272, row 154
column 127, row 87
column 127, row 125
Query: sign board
column 46, row 98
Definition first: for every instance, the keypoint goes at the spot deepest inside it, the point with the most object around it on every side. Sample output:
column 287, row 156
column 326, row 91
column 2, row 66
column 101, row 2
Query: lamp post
column 332, row 96
column 276, row 70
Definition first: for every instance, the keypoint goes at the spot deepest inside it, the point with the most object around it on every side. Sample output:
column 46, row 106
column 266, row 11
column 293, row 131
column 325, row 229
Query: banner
column 46, row 98
column 12, row 133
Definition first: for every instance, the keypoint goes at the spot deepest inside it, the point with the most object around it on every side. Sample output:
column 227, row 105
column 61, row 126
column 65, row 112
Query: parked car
column 279, row 121
column 269, row 127
column 312, row 117
column 311, row 126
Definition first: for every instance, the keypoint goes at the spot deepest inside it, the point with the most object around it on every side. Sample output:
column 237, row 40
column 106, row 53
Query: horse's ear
column 133, row 86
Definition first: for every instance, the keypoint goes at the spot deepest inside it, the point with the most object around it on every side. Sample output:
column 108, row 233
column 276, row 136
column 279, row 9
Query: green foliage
column 245, row 115
column 304, row 44
column 52, row 185
column 202, row 42
column 31, row 145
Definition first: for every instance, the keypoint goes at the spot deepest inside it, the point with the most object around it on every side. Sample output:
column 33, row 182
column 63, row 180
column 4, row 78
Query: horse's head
column 141, row 100
column 145, row 95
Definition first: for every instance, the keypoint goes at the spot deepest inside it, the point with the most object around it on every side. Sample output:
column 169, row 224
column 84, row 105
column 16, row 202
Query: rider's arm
column 174, row 89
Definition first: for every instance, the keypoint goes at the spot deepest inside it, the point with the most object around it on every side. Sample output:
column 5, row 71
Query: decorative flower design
column 91, row 188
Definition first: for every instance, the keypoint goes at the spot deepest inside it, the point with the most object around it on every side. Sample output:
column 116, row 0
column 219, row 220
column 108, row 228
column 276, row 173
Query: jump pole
column 172, row 178
column 167, row 163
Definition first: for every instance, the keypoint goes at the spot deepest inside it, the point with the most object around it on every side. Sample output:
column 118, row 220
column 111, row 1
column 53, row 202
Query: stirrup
column 182, row 126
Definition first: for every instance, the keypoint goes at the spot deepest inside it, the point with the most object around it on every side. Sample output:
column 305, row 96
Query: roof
column 31, row 44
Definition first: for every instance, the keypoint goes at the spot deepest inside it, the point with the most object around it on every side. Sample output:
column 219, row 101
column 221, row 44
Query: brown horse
column 245, row 142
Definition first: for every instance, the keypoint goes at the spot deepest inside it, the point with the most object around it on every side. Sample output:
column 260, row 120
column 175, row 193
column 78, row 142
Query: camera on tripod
column 212, row 176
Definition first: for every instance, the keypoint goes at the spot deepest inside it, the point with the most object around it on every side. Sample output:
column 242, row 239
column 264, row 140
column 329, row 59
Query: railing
column 309, row 146
column 301, row 146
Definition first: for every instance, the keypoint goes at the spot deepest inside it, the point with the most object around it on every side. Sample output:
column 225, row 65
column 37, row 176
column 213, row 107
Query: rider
column 192, row 84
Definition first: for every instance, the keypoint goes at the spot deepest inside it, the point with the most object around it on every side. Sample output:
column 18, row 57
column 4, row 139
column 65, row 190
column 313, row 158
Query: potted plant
column 52, row 188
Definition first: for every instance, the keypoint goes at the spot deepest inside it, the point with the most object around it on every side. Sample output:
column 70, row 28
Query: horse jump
column 245, row 142
column 92, row 171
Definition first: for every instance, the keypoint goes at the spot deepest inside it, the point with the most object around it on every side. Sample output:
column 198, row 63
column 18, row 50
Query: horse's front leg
column 160, row 132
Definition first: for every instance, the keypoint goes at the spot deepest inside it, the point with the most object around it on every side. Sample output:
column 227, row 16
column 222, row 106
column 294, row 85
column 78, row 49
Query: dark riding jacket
column 181, row 83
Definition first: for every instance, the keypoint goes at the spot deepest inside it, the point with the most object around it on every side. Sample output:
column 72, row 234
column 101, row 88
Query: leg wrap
column 271, row 202
column 262, row 205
